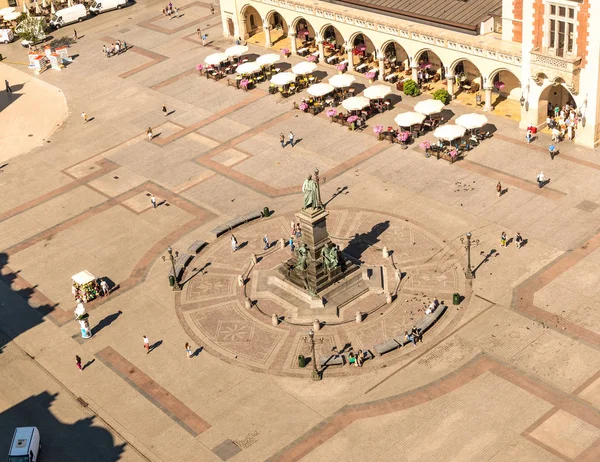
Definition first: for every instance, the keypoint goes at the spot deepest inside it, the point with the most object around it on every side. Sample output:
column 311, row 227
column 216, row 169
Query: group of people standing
column 563, row 122
column 170, row 11
column 114, row 49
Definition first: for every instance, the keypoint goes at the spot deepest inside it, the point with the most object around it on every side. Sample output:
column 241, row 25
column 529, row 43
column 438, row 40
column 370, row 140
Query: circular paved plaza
column 212, row 309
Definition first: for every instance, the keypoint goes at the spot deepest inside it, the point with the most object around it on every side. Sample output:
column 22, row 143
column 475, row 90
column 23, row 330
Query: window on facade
column 252, row 22
column 561, row 30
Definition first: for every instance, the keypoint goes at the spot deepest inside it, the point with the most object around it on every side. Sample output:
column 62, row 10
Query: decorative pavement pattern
column 512, row 373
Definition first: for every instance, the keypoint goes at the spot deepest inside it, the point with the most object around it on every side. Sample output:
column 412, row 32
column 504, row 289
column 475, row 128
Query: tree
column 411, row 88
column 442, row 95
column 32, row 29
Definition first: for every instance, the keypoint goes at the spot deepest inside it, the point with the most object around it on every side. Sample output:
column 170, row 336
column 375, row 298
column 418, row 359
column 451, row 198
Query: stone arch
column 361, row 47
column 554, row 93
column 427, row 55
column 331, row 34
column 252, row 21
column 394, row 48
column 277, row 22
column 300, row 24
column 512, row 84
column 465, row 70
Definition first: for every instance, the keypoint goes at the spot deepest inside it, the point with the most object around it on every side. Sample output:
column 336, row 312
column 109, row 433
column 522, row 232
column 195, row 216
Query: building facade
column 534, row 52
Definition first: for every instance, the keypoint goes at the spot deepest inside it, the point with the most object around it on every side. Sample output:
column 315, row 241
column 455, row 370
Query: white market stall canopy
column 83, row 277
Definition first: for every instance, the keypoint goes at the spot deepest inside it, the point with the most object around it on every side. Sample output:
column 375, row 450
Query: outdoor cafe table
column 332, row 58
column 361, row 66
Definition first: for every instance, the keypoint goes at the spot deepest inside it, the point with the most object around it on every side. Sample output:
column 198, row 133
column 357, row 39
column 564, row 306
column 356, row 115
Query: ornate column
column 415, row 75
column 381, row 57
column 349, row 57
column 294, row 48
column 488, row 98
column 319, row 40
column 242, row 31
column 267, row 30
column 450, row 81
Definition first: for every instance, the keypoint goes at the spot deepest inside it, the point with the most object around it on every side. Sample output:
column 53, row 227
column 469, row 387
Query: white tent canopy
column 377, row 91
column 248, row 68
column 355, row 103
column 270, row 58
column 12, row 16
column 320, row 89
column 304, row 68
column 8, row 9
column 342, row 80
column 429, row 106
column 283, row 78
column 236, row 50
column 449, row 132
column 216, row 58
column 83, row 277
column 471, row 121
column 408, row 119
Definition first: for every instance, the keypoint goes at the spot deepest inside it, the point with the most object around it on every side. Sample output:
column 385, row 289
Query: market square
column 470, row 347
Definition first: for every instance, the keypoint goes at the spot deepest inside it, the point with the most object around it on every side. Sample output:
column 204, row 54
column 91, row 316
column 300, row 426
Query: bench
column 196, row 247
column 386, row 347
column 184, row 259
column 219, row 230
column 332, row 360
column 429, row 320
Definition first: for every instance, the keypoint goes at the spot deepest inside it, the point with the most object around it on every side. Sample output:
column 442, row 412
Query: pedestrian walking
column 105, row 51
column 124, row 46
column 164, row 109
column 204, row 37
column 8, row 89
column 84, row 117
column 234, row 243
column 359, row 358
column 293, row 228
column 75, row 37
column 212, row 9
column 499, row 189
column 409, row 338
column 291, row 242
column 238, row 41
column 503, row 239
column 199, row 32
column 147, row 344
column 104, row 287
column 149, row 133
column 298, row 231
column 117, row 48
column 291, row 138
column 529, row 136
column 518, row 240
column 78, row 362
column 553, row 151
column 541, row 179
column 282, row 140
column 153, row 201
column 188, row 350
column 177, row 12
column 266, row 242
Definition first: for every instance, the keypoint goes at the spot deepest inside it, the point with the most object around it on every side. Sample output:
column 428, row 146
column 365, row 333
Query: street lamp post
column 176, row 285
column 469, row 273
column 315, row 371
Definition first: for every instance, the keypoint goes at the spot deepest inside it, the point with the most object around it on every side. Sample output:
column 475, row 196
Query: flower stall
column 85, row 286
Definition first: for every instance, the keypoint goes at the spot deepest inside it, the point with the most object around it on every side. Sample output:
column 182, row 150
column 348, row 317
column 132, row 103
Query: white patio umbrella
column 377, row 91
column 236, row 50
column 216, row 58
column 320, row 89
column 8, row 9
column 429, row 106
column 449, row 132
column 355, row 103
column 52, row 9
column 342, row 80
column 248, row 68
column 283, row 78
column 268, row 59
column 408, row 119
column 471, row 121
column 304, row 68
column 12, row 16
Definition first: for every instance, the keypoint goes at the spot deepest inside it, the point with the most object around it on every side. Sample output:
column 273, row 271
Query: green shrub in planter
column 411, row 88
column 442, row 95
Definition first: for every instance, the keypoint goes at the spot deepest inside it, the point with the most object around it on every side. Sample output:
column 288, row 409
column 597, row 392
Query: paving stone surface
column 512, row 373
